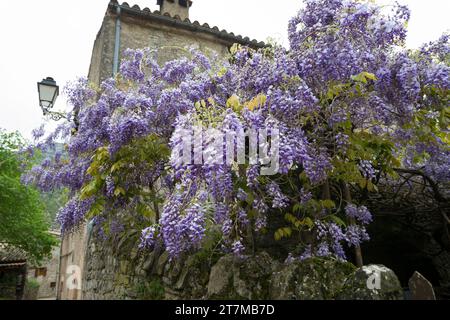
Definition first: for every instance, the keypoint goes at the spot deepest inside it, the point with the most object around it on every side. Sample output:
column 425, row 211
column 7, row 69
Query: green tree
column 23, row 222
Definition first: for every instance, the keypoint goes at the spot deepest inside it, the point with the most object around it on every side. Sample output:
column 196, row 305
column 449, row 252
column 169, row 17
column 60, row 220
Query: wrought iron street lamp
column 48, row 93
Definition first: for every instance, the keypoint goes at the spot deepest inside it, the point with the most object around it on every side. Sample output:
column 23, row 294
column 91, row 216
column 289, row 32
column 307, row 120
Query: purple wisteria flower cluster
column 330, row 236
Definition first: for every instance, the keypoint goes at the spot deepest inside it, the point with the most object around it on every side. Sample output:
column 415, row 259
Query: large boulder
column 241, row 278
column 373, row 282
column 312, row 279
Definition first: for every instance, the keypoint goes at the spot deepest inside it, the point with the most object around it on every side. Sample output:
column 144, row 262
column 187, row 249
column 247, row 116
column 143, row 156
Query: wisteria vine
column 351, row 103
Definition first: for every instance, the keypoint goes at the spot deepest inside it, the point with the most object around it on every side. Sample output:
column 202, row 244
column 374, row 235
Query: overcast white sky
column 43, row 38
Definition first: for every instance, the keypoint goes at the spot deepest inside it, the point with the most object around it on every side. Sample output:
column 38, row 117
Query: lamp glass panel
column 47, row 93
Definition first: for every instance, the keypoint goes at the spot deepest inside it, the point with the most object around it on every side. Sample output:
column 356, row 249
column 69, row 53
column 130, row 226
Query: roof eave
column 176, row 22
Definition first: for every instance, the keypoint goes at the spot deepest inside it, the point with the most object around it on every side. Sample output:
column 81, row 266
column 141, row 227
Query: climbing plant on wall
column 353, row 108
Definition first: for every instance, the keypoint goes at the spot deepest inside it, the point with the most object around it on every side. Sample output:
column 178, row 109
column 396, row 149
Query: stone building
column 46, row 274
column 169, row 30
column 86, row 269
column 20, row 278
column 72, row 253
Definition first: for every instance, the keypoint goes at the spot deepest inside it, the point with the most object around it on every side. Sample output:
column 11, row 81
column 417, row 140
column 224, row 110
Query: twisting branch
column 437, row 193
column 434, row 186
column 348, row 200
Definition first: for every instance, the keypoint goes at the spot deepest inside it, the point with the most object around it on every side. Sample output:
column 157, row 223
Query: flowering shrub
column 351, row 106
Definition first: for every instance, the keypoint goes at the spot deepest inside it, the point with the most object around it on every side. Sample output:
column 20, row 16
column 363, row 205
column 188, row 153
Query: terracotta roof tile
column 10, row 254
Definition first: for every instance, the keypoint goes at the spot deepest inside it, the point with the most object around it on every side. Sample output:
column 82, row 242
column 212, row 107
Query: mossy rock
column 312, row 279
column 234, row 278
column 374, row 282
column 193, row 280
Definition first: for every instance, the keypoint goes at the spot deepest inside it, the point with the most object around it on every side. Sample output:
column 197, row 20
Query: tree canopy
column 23, row 222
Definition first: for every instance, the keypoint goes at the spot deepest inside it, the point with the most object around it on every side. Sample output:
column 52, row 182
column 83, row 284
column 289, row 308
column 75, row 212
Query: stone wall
column 102, row 58
column 73, row 249
column 137, row 35
column 151, row 276
column 109, row 276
